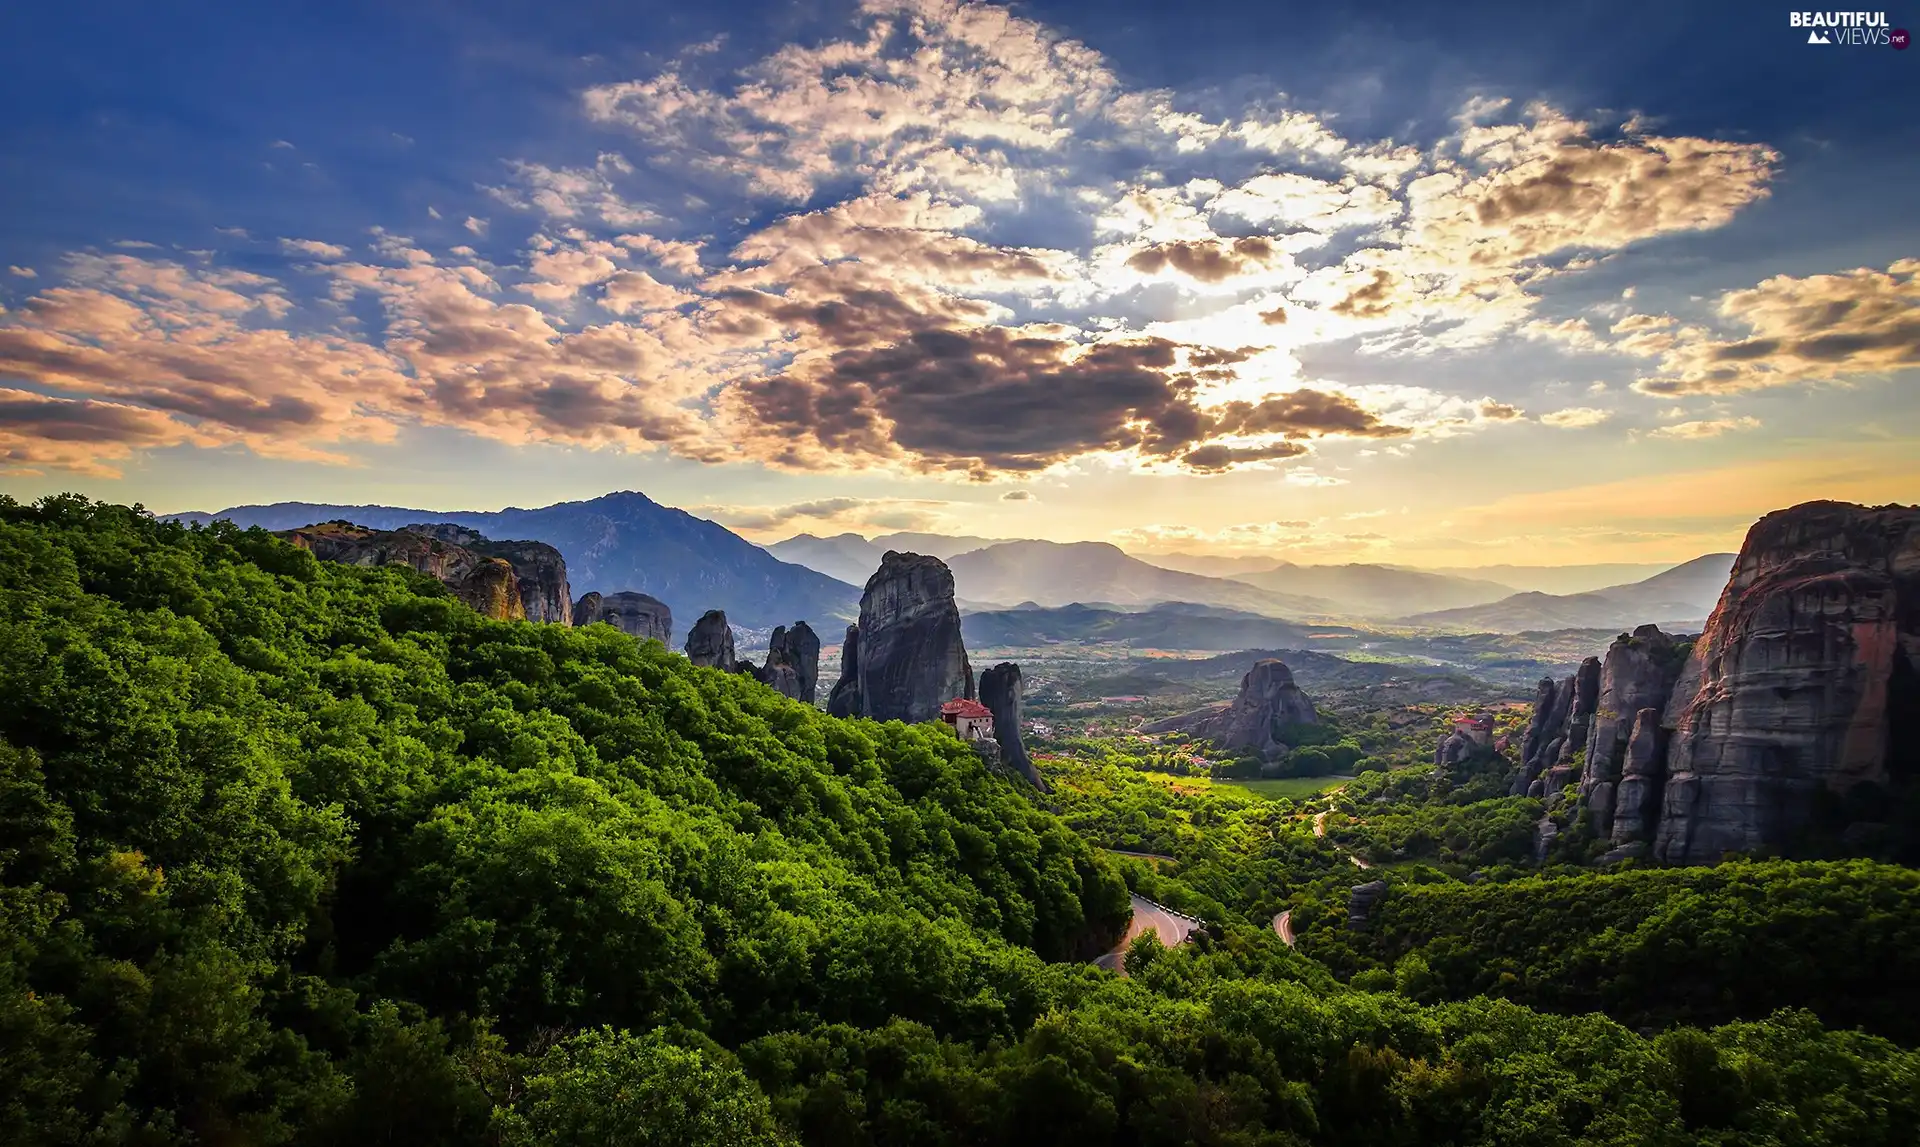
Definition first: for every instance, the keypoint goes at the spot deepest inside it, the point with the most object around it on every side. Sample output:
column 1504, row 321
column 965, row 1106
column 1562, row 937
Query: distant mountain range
column 1062, row 573
column 621, row 541
column 853, row 558
column 1683, row 595
column 1554, row 579
column 1377, row 591
column 1170, row 625
column 1211, row 565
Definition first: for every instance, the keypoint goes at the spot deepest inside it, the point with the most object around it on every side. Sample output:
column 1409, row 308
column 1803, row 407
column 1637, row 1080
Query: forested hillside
column 301, row 853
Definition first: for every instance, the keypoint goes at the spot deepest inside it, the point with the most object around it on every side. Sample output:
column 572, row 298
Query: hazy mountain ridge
column 1681, row 596
column 1063, row 573
column 619, row 541
column 1377, row 590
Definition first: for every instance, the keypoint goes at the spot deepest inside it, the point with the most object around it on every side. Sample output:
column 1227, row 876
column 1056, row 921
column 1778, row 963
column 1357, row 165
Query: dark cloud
column 1218, row 457
column 1208, row 260
column 1304, row 413
column 1370, row 301
column 1219, row 356
column 1275, row 317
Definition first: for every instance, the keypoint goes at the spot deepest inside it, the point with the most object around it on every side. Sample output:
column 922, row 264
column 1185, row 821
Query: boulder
column 710, row 642
column 1000, row 692
column 489, row 585
column 1360, row 901
column 912, row 659
column 1268, row 700
column 1806, row 678
column 639, row 614
column 844, row 701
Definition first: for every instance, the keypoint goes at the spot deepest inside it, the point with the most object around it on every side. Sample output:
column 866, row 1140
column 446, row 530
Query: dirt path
column 1320, row 829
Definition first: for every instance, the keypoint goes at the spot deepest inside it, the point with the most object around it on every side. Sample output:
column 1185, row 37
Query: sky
column 1436, row 284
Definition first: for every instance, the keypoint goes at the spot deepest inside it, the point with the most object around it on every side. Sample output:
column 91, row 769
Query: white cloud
column 1709, row 428
column 1576, row 417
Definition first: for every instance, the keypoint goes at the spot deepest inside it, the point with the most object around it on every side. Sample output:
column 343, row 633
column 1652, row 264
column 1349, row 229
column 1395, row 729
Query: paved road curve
column 1172, row 930
column 1283, row 927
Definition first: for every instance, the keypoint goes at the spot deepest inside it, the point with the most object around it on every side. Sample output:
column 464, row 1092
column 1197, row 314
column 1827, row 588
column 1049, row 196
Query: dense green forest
column 301, row 853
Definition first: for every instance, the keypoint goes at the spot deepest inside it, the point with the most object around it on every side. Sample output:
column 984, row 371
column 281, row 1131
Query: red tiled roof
column 961, row 707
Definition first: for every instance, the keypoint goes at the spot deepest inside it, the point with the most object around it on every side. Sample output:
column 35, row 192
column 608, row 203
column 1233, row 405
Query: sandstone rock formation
column 1638, row 672
column 639, row 614
column 1360, row 901
column 793, row 662
column 710, row 642
column 539, row 570
column 1268, row 701
column 1806, row 678
column 490, row 585
column 1562, row 714
column 1000, row 691
column 911, row 659
column 844, row 701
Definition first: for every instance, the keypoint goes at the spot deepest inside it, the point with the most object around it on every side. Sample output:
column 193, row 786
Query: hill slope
column 1170, row 625
column 620, row 541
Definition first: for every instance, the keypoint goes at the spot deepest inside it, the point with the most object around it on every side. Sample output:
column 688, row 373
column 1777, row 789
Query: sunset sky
column 1535, row 283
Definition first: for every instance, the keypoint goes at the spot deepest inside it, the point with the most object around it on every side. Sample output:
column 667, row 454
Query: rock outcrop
column 1806, row 678
column 490, row 585
column 1638, row 673
column 1360, row 901
column 1000, row 692
column 1268, row 701
column 844, row 701
column 793, row 662
column 540, row 573
column 1562, row 714
column 639, row 614
column 911, row 659
column 710, row 642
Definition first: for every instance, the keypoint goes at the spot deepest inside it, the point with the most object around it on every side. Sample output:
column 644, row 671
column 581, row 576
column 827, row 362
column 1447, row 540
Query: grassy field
column 1293, row 788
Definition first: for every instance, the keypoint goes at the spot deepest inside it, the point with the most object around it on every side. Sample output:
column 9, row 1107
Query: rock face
column 911, row 659
column 1641, row 776
column 1000, row 691
column 490, row 585
column 793, row 662
column 1638, row 673
column 1562, row 714
column 710, row 642
column 844, row 701
column 1360, row 901
column 1807, row 677
column 1268, row 700
column 642, row 615
column 539, row 570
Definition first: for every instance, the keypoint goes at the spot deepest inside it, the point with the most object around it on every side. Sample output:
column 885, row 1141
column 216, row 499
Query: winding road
column 1283, row 923
column 1173, row 931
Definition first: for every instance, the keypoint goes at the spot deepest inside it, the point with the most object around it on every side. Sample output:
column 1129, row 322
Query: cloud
column 884, row 513
column 1575, row 417
column 1710, row 428
column 1820, row 328
column 875, row 305
column 22, row 272
column 79, row 436
column 1019, row 496
column 314, row 248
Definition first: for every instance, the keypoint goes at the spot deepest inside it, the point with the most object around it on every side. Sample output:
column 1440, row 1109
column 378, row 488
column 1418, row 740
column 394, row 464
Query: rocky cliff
column 1790, row 725
column 1801, row 699
column 911, row 659
column 1268, row 701
column 844, row 701
column 1637, row 673
column 710, row 642
column 1000, row 689
column 539, row 570
column 642, row 615
column 793, row 662
column 490, row 585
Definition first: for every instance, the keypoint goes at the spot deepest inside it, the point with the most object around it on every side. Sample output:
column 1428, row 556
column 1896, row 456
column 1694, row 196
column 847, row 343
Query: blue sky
column 1558, row 282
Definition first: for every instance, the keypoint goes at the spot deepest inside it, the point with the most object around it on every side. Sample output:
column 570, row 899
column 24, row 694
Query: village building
column 970, row 720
